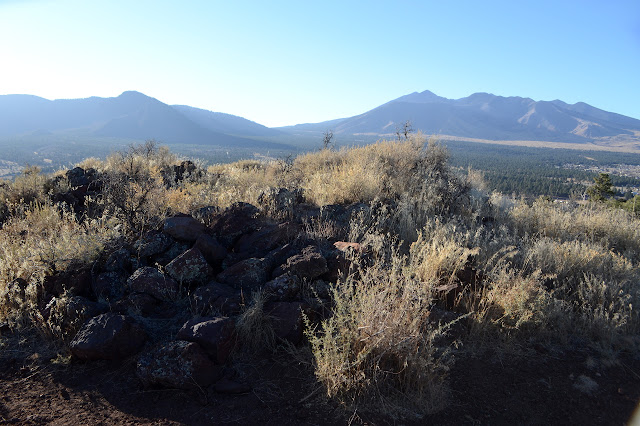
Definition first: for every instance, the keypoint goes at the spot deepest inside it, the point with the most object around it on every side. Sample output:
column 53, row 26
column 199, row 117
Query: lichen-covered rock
column 152, row 244
column 215, row 335
column 262, row 241
column 236, row 220
column 109, row 286
column 118, row 261
column 178, row 364
column 174, row 251
column 190, row 268
column 309, row 264
column 153, row 282
column 108, row 336
column 247, row 274
column 183, row 228
column 215, row 298
column 284, row 287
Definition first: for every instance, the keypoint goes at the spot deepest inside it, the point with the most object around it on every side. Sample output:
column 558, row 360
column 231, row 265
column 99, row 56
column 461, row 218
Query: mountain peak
column 420, row 98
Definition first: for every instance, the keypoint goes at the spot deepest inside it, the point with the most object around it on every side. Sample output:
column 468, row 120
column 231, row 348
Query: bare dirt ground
column 39, row 387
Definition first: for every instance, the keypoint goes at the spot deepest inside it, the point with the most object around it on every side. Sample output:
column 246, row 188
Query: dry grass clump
column 254, row 330
column 614, row 229
column 388, row 170
column 24, row 190
column 378, row 350
column 43, row 242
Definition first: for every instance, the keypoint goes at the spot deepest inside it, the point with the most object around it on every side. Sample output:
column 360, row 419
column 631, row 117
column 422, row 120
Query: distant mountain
column 225, row 123
column 486, row 116
column 132, row 115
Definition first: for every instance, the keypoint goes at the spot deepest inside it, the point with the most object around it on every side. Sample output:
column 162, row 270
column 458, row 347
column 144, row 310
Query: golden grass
column 378, row 350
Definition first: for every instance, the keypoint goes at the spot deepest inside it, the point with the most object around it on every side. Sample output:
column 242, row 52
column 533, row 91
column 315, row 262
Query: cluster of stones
column 195, row 279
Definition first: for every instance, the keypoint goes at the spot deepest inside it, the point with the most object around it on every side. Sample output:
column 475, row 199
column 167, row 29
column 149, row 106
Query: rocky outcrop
column 168, row 274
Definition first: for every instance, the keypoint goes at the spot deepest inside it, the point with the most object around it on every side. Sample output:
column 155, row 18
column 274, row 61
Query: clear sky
column 287, row 62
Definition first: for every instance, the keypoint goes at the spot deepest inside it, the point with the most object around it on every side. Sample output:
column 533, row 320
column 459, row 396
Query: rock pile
column 197, row 277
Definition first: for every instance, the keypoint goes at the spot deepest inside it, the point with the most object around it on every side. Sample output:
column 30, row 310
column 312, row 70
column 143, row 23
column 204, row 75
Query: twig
column 315, row 391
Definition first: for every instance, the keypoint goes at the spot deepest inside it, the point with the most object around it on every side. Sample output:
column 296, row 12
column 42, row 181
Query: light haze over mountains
column 135, row 116
column 489, row 117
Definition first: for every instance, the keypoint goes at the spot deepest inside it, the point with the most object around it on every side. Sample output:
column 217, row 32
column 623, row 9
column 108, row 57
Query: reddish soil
column 535, row 390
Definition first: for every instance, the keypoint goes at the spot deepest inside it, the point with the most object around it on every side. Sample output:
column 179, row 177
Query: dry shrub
column 569, row 261
column 605, row 312
column 613, row 229
column 439, row 253
column 134, row 185
column 43, row 242
column 378, row 348
column 388, row 170
column 242, row 181
column 515, row 307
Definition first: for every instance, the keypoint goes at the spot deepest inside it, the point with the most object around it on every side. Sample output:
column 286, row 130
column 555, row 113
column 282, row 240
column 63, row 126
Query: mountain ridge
column 131, row 115
column 486, row 116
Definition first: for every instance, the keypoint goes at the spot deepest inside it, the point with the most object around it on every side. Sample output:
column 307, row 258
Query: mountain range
column 132, row 116
column 481, row 116
column 488, row 117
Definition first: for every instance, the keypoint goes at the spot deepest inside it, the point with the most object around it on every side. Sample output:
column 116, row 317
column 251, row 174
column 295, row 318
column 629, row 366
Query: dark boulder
column 183, row 228
column 108, row 336
column 236, row 220
column 75, row 282
column 118, row 261
column 211, row 249
column 79, row 177
column 152, row 244
column 284, row 287
column 231, row 387
column 141, row 304
column 287, row 320
column 66, row 315
column 176, row 249
column 215, row 335
column 153, row 282
column 109, row 286
column 259, row 243
column 338, row 266
column 309, row 264
column 190, row 268
column 215, row 298
column 247, row 274
column 178, row 364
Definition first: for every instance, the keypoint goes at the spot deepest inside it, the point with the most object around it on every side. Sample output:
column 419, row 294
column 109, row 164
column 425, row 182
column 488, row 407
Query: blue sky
column 288, row 62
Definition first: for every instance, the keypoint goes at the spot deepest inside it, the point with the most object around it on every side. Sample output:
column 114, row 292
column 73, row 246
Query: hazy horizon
column 286, row 63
